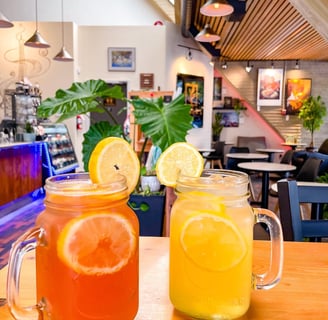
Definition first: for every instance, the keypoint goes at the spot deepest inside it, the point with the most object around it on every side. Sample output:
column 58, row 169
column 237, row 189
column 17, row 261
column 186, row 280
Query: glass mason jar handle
column 26, row 243
column 269, row 279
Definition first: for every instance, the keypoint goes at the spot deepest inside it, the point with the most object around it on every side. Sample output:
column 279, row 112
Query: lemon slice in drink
column 179, row 158
column 114, row 155
column 212, row 242
column 97, row 244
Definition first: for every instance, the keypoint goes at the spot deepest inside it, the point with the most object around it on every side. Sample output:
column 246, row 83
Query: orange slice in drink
column 179, row 158
column 213, row 242
column 111, row 156
column 97, row 244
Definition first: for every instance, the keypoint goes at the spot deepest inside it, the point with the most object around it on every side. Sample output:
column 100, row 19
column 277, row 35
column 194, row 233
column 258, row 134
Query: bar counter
column 302, row 293
column 20, row 172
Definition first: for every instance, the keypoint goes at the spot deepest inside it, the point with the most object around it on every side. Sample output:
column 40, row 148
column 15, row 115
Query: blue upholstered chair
column 291, row 195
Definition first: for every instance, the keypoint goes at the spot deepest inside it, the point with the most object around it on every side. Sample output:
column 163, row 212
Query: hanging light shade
column 207, row 35
column 215, row 8
column 36, row 41
column 4, row 22
column 63, row 54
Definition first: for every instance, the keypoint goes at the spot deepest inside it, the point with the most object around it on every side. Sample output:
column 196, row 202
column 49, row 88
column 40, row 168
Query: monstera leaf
column 80, row 98
column 165, row 124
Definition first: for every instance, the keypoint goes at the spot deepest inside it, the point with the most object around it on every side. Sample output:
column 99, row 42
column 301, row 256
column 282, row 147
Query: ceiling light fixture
column 272, row 65
column 224, row 65
column 207, row 35
column 4, row 22
column 63, row 54
column 189, row 55
column 36, row 41
column 249, row 67
column 215, row 8
column 297, row 65
column 213, row 61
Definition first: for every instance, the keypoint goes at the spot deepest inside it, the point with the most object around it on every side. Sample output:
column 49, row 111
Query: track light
column 249, row 67
column 297, row 65
column 215, row 8
column 224, row 65
column 213, row 60
column 36, row 41
column 189, row 55
column 207, row 35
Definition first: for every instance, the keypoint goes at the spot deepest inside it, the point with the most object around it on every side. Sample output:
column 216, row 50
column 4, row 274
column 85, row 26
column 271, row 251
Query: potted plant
column 29, row 132
column 157, row 120
column 312, row 114
column 217, row 126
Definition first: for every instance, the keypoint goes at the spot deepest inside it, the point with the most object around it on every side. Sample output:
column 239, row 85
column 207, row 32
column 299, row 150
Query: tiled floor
column 13, row 225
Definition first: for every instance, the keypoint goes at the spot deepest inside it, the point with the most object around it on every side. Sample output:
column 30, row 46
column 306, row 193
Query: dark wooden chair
column 216, row 156
column 232, row 164
column 291, row 195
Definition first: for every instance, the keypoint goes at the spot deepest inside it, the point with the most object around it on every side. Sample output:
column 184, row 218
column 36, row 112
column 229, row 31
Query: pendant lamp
column 63, row 54
column 4, row 22
column 36, row 41
column 216, row 8
column 207, row 35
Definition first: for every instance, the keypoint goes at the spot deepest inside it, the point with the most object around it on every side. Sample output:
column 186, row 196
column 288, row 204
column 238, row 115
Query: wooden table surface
column 302, row 293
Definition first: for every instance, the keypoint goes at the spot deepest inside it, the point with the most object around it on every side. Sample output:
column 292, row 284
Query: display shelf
column 60, row 155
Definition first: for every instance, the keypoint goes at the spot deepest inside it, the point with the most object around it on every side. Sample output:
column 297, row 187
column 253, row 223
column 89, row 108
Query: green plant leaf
column 97, row 132
column 80, row 98
column 312, row 114
column 165, row 124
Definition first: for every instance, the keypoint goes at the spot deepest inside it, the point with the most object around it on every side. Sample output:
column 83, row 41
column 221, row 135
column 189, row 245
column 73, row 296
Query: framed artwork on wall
column 269, row 87
column 230, row 119
column 217, row 91
column 121, row 59
column 297, row 90
column 193, row 89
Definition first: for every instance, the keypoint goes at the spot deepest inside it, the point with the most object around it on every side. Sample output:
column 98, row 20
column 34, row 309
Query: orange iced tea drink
column 87, row 258
column 211, row 247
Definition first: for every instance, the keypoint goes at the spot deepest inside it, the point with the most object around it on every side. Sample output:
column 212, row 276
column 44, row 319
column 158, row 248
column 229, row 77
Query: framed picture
column 297, row 90
column 269, row 87
column 217, row 91
column 121, row 59
column 193, row 89
column 230, row 119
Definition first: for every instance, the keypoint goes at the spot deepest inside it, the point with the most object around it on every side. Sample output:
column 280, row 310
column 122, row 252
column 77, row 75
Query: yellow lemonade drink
column 211, row 236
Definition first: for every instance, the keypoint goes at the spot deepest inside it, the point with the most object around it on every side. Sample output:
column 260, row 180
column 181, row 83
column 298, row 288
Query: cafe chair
column 309, row 172
column 215, row 157
column 292, row 194
column 232, row 164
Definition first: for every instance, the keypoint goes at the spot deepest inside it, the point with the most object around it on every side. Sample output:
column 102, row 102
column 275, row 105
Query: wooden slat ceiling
column 269, row 30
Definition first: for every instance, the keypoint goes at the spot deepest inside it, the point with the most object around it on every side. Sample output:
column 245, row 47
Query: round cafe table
column 293, row 145
column 270, row 152
column 266, row 168
column 247, row 156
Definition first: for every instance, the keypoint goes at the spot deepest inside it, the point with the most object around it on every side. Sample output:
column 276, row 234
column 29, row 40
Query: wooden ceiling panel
column 270, row 30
